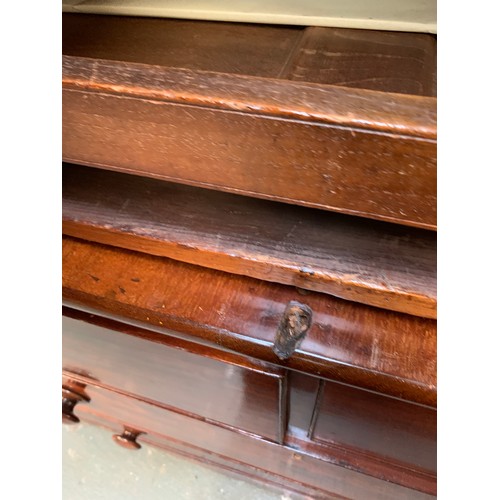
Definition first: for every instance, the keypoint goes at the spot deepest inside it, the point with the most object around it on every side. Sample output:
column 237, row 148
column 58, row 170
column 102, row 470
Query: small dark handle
column 128, row 438
column 72, row 394
column 293, row 327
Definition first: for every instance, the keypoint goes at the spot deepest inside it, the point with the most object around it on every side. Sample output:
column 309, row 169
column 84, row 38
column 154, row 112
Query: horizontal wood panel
column 208, row 46
column 370, row 111
column 378, row 264
column 381, row 350
column 377, row 60
column 292, row 466
column 387, row 427
column 170, row 374
column 365, row 153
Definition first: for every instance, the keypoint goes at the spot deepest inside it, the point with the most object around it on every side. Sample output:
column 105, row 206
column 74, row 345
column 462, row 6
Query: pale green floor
column 95, row 468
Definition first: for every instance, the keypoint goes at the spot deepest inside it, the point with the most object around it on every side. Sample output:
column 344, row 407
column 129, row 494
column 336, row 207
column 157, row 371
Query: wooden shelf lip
column 369, row 262
column 378, row 350
column 399, row 114
column 361, row 152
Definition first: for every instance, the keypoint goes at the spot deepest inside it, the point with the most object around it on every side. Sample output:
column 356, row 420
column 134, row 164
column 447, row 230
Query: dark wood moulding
column 374, row 263
column 360, row 152
column 383, row 351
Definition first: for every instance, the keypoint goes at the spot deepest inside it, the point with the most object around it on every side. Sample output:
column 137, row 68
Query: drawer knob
column 128, row 438
column 293, row 327
column 72, row 394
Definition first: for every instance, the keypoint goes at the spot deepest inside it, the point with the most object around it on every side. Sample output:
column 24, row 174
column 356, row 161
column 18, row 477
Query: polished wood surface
column 177, row 297
column 307, row 406
column 353, row 444
column 223, row 388
column 347, row 341
column 360, row 152
column 374, row 263
column 370, row 422
column 378, row 60
column 296, row 470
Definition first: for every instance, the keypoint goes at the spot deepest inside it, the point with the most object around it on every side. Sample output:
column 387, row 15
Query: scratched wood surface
column 248, row 49
column 378, row 60
column 388, row 352
column 374, row 263
column 354, row 151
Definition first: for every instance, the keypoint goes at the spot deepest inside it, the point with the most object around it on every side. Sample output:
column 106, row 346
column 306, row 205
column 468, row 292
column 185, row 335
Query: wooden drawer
column 261, row 459
column 225, row 389
column 389, row 428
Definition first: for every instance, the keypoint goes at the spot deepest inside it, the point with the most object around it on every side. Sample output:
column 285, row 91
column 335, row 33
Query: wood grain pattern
column 373, row 263
column 247, row 49
column 378, row 60
column 388, row 352
column 303, row 401
column 387, row 427
column 355, row 151
column 171, row 372
column 259, row 458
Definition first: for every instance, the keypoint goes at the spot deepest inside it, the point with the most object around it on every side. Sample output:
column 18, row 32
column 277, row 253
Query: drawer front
column 223, row 388
column 254, row 457
column 390, row 428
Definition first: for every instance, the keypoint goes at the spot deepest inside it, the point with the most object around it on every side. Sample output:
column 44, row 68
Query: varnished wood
column 349, row 342
column 72, row 394
column 184, row 354
column 379, row 60
column 309, row 404
column 128, row 439
column 247, row 49
column 258, row 457
column 355, row 151
column 374, row 263
column 369, row 422
column 177, row 374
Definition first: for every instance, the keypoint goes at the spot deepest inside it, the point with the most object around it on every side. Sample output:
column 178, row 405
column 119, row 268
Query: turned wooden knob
column 72, row 394
column 128, row 438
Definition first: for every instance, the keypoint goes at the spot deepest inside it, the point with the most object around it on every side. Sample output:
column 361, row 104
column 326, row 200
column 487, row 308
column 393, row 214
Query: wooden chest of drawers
column 215, row 209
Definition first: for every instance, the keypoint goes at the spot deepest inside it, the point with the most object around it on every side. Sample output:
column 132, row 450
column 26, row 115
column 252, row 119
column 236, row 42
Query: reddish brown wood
column 72, row 393
column 387, row 61
column 374, row 263
column 349, row 342
column 219, row 387
column 303, row 390
column 248, row 49
column 355, row 151
column 262, row 459
column 128, row 439
column 379, row 60
column 307, row 406
column 369, row 422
